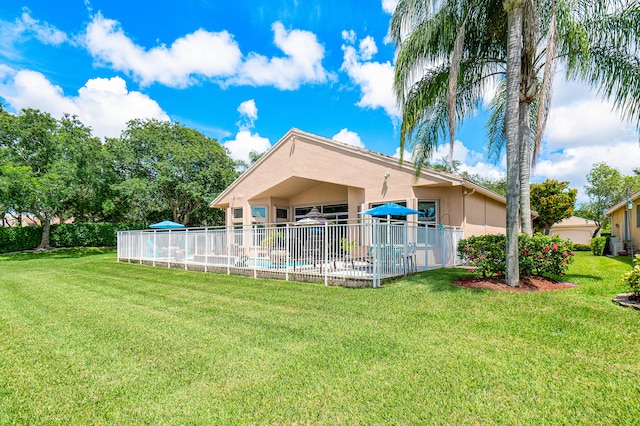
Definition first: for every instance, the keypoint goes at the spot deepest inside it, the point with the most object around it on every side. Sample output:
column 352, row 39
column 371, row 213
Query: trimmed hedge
column 538, row 254
column 19, row 238
column 102, row 234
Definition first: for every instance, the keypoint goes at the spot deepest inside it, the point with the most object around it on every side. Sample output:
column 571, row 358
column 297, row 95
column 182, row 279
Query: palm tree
column 596, row 41
column 434, row 98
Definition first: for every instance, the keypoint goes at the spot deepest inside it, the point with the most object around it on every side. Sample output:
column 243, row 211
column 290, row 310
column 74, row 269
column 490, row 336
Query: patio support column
column 155, row 248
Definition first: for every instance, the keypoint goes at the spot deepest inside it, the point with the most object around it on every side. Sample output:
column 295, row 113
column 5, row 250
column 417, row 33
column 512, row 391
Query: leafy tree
column 42, row 176
column 554, row 201
column 165, row 166
column 606, row 187
column 254, row 156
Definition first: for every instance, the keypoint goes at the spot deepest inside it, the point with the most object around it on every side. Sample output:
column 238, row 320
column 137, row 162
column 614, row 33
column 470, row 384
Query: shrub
column 632, row 279
column 92, row 234
column 538, row 254
column 597, row 245
column 581, row 247
column 19, row 238
column 486, row 253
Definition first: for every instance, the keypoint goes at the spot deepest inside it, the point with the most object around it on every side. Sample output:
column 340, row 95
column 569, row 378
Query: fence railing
column 362, row 253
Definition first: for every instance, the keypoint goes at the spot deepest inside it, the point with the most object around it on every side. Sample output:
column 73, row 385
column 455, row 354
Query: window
column 282, row 213
column 637, row 215
column 259, row 213
column 237, row 213
column 400, row 203
column 333, row 212
column 429, row 215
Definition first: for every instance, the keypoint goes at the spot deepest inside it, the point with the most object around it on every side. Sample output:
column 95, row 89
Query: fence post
column 326, row 253
column 229, row 234
column 206, row 248
column 154, row 248
column 376, row 251
column 287, row 246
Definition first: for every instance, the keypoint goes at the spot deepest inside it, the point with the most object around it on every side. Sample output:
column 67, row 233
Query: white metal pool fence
column 351, row 254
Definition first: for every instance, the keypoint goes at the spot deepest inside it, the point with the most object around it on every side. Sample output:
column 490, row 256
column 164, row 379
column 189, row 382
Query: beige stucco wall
column 577, row 236
column 483, row 215
column 617, row 224
column 303, row 171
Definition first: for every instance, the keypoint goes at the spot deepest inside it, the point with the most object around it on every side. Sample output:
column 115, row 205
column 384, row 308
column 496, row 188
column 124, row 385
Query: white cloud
column 406, row 155
column 348, row 137
column 583, row 130
column 389, row 6
column 248, row 114
column 25, row 28
column 470, row 161
column 375, row 79
column 103, row 104
column 302, row 63
column 579, row 117
column 245, row 142
column 208, row 55
column 198, row 54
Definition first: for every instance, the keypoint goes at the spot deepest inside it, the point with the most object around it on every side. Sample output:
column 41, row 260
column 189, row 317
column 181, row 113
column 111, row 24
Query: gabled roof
column 451, row 179
column 575, row 222
column 633, row 197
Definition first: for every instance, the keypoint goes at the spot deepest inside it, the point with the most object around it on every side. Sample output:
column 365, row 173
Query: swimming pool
column 268, row 264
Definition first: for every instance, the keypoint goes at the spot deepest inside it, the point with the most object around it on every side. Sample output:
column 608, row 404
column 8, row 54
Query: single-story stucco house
column 625, row 224
column 577, row 229
column 302, row 171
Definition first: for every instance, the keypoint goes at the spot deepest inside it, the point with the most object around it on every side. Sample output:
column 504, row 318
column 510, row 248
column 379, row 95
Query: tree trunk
column 46, row 232
column 525, row 168
column 514, row 54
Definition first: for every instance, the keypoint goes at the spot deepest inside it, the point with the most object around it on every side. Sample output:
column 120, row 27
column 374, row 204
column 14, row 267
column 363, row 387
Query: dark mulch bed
column 535, row 283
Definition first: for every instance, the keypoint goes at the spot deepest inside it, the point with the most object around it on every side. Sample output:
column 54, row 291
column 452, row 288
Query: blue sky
column 244, row 72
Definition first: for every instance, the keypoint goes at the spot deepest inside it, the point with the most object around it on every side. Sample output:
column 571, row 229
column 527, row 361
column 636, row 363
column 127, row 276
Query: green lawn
column 85, row 340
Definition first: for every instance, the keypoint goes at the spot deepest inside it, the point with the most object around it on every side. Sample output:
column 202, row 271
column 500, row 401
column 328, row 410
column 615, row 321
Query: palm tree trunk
column 514, row 54
column 525, row 168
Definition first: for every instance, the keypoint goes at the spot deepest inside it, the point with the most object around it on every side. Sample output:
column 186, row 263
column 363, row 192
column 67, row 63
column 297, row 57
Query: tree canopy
column 165, row 165
column 54, row 168
column 553, row 201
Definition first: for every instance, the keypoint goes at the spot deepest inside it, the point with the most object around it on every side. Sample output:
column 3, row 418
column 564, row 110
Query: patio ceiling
column 293, row 186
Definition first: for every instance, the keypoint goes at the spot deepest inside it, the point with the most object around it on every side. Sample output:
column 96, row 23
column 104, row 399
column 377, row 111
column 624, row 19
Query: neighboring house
column 27, row 219
column 302, row 171
column 577, row 229
column 625, row 223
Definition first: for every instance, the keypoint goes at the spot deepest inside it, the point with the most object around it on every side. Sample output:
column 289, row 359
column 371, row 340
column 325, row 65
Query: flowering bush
column 632, row 279
column 538, row 254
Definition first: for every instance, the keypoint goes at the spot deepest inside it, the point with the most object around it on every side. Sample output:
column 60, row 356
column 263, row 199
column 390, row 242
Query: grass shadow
column 62, row 253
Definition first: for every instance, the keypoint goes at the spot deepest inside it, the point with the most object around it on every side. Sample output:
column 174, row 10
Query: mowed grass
column 86, row 340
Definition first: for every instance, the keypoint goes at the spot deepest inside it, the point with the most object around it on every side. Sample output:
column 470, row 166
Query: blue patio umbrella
column 166, row 224
column 390, row 209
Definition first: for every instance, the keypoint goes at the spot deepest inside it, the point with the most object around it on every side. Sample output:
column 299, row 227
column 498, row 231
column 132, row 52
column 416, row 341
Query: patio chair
column 359, row 254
